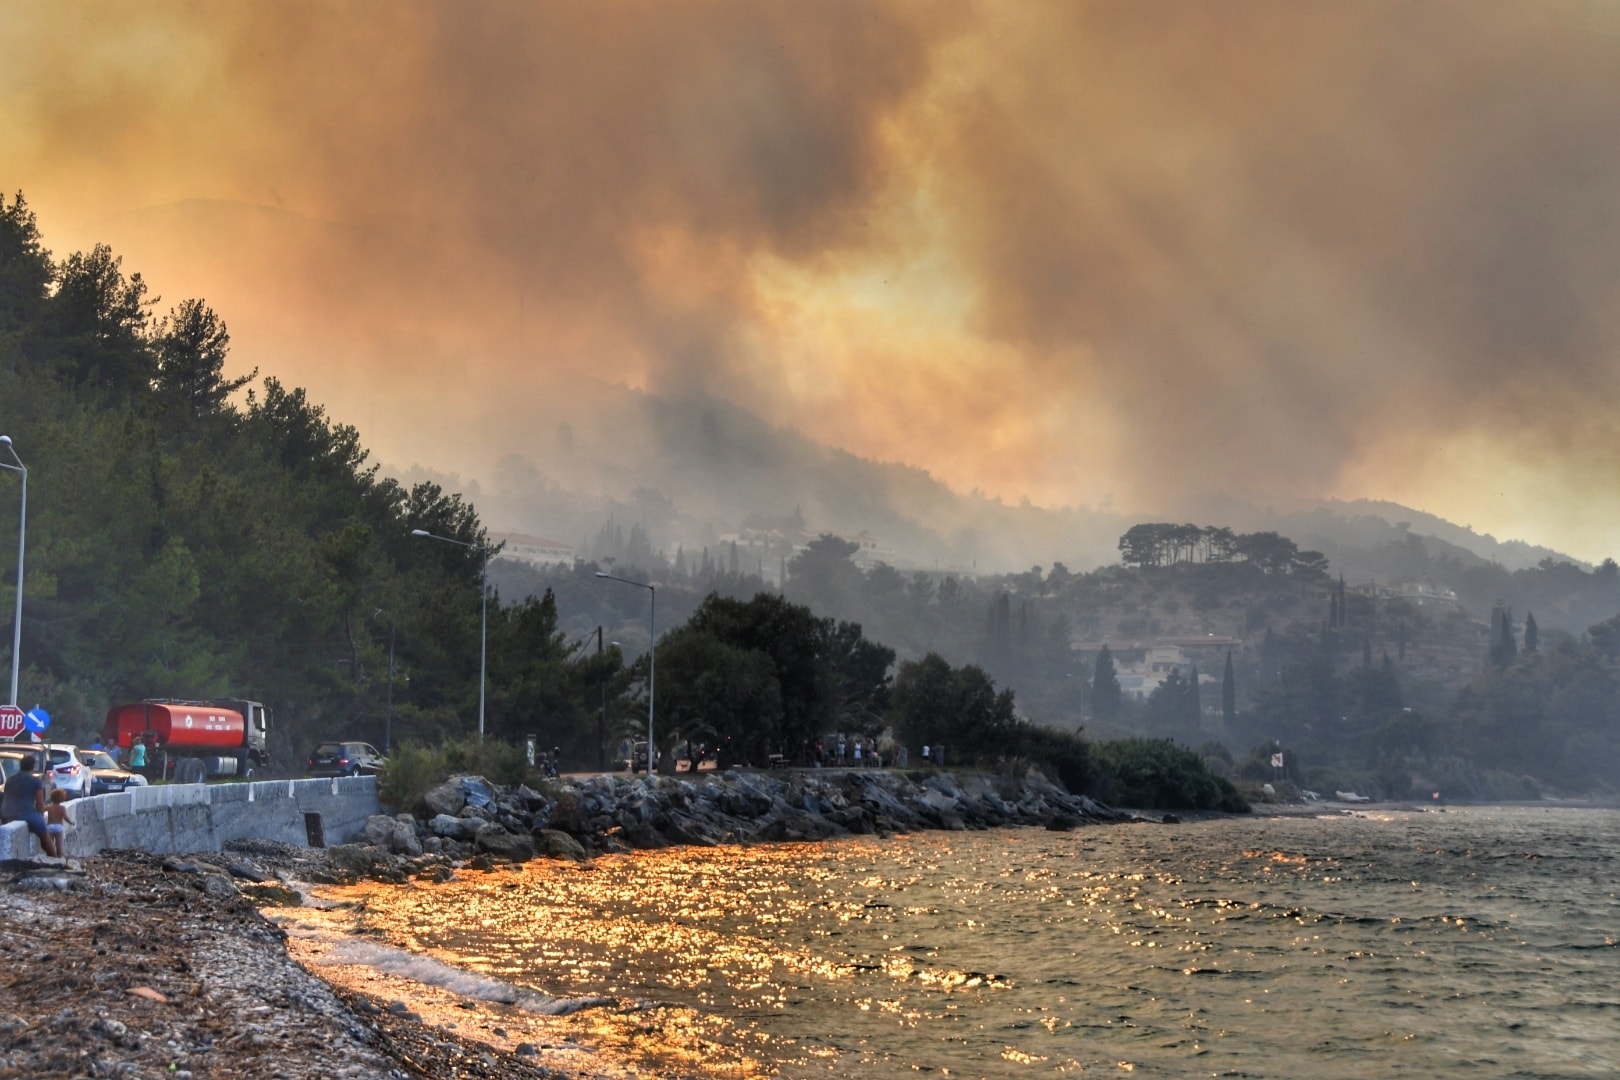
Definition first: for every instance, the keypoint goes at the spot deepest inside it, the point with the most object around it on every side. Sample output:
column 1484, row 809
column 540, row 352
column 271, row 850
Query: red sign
column 11, row 721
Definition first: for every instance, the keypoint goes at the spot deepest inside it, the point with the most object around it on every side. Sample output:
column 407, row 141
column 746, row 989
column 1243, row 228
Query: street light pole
column 652, row 655
column 483, row 634
column 601, row 719
column 22, row 535
column 388, row 719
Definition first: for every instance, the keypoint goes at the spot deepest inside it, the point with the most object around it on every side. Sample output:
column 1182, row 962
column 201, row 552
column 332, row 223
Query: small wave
column 431, row 972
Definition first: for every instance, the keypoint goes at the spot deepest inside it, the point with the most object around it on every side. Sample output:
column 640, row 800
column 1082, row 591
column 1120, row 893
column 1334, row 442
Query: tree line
column 1154, row 544
column 195, row 534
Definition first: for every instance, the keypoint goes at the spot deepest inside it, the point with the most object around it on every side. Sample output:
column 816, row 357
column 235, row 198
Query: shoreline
column 142, row 966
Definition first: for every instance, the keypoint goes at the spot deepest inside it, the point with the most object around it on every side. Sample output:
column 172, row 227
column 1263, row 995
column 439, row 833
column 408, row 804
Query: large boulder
column 460, row 792
column 455, row 828
column 555, row 844
column 445, row 800
column 395, row 834
column 739, row 798
column 352, row 861
column 569, row 814
column 642, row 836
column 501, row 844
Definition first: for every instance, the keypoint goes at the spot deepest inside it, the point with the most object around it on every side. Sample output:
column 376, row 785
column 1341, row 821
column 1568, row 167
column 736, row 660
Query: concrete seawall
column 180, row 819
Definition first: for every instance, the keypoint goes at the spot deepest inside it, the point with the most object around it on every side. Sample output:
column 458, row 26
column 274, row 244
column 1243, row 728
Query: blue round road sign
column 37, row 720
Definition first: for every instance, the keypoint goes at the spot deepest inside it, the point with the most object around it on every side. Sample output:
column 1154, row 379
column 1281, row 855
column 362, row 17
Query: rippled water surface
column 1473, row 941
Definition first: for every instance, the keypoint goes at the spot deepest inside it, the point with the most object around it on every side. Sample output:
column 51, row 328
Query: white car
column 67, row 772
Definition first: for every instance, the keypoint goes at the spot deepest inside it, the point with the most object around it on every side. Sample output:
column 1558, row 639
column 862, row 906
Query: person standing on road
column 137, row 755
column 57, row 819
column 25, row 801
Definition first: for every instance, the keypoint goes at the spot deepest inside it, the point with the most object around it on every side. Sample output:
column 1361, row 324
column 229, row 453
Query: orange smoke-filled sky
column 1080, row 252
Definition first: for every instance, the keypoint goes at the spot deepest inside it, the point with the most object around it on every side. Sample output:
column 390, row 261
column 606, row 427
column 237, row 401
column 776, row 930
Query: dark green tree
column 1504, row 650
column 25, row 268
column 797, row 644
column 191, row 346
column 720, row 694
column 1106, row 696
column 958, row 708
column 1228, row 694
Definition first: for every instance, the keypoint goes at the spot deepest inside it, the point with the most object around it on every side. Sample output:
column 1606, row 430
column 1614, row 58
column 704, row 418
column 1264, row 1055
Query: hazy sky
column 1085, row 252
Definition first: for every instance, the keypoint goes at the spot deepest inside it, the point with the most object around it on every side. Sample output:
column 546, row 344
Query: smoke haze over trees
column 1085, row 254
column 192, row 534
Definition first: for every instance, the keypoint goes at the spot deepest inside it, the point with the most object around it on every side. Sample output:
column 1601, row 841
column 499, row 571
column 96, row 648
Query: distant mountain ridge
column 689, row 469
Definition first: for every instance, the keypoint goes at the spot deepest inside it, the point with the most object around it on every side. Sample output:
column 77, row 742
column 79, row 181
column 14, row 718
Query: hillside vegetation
column 194, row 535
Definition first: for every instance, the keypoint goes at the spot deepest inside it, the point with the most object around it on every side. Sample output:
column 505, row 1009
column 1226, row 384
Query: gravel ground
column 126, row 965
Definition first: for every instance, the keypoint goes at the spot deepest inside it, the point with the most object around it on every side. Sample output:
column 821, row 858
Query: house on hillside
column 1415, row 592
column 533, row 550
column 1143, row 668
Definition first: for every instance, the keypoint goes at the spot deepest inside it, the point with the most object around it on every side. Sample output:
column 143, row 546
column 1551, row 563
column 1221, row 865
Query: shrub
column 1064, row 756
column 1161, row 774
column 414, row 768
column 411, row 771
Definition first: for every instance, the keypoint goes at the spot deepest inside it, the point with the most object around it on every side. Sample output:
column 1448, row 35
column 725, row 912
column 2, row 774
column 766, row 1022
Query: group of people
column 25, row 801
column 857, row 752
column 137, row 752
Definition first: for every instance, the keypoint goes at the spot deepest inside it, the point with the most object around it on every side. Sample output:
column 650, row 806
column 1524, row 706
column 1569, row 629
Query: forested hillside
column 195, row 534
column 1390, row 694
column 192, row 534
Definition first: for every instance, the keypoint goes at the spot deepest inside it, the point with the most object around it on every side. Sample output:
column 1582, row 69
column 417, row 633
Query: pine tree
column 1532, row 635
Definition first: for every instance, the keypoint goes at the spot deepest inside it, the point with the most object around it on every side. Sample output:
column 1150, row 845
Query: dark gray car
column 105, row 773
column 345, row 759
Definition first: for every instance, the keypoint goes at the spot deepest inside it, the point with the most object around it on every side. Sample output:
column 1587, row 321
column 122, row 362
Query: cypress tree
column 1504, row 650
column 1228, row 694
column 1105, row 692
column 1532, row 636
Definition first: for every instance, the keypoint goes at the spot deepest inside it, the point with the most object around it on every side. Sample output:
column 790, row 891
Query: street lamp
column 601, row 719
column 483, row 637
column 22, row 533
column 652, row 655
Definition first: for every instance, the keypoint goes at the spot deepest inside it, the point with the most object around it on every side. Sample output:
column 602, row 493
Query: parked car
column 636, row 761
column 10, row 762
column 106, row 774
column 345, row 759
column 67, row 773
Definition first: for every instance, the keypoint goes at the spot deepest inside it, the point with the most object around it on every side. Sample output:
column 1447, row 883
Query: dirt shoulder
column 133, row 966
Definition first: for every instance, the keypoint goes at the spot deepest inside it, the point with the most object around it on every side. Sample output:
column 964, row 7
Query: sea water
column 1467, row 941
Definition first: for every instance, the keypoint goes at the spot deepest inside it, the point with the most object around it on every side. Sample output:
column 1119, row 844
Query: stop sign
column 11, row 721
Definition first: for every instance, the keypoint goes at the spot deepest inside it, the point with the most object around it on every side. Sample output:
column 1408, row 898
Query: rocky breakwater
column 467, row 820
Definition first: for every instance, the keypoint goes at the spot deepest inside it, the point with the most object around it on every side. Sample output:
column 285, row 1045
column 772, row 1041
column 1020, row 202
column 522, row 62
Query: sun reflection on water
column 1017, row 952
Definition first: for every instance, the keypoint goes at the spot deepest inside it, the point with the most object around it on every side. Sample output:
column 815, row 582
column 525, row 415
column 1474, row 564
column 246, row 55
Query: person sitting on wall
column 25, row 801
